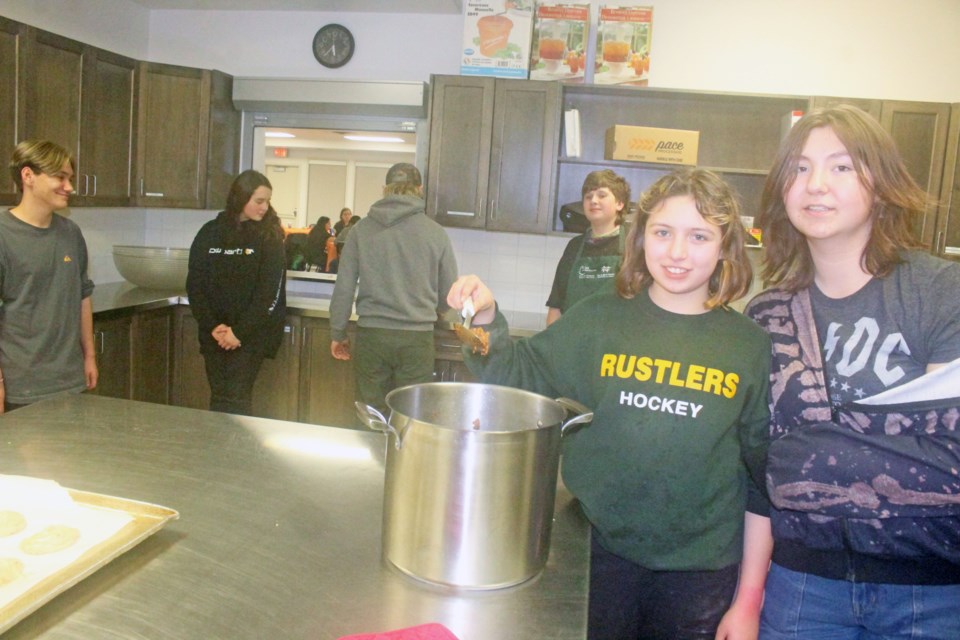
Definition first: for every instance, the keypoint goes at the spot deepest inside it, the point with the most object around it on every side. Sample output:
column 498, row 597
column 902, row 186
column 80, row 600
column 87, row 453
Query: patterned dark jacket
column 870, row 493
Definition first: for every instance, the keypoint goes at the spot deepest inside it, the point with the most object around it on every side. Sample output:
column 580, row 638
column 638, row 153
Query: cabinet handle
column 94, row 185
column 293, row 335
column 141, row 186
column 86, row 185
column 936, row 243
column 98, row 340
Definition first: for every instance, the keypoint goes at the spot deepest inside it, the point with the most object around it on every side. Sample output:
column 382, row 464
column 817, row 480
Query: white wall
column 860, row 48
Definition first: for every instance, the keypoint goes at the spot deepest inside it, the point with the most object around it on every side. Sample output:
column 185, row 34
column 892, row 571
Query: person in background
column 345, row 215
column 865, row 518
column 46, row 316
column 591, row 259
column 237, row 288
column 678, row 384
column 316, row 249
column 404, row 263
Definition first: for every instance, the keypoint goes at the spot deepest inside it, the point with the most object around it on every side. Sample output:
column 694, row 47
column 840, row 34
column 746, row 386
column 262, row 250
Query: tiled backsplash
column 518, row 268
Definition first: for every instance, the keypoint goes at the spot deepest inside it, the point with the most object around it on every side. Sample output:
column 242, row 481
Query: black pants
column 629, row 602
column 231, row 375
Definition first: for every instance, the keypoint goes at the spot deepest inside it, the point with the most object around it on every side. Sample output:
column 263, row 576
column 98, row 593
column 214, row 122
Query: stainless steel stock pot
column 471, row 478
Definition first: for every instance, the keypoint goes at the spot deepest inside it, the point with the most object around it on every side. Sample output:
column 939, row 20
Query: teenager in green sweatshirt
column 678, row 384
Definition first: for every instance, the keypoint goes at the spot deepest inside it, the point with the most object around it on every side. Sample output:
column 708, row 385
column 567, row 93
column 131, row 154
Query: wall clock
column 333, row 46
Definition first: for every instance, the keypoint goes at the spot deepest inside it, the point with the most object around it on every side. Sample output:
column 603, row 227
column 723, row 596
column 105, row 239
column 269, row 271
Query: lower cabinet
column 111, row 341
column 275, row 394
column 154, row 356
column 134, row 355
column 326, row 384
column 449, row 366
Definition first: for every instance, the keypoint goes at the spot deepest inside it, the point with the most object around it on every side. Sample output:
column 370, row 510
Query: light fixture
column 279, row 134
column 360, row 138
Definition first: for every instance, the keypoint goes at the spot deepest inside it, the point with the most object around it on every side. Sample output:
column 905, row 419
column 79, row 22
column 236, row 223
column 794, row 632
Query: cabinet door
column 52, row 85
column 326, row 384
column 172, row 135
column 190, row 387
column 920, row 131
column 106, row 135
column 152, row 350
column 277, row 390
column 112, row 343
column 461, row 124
column 947, row 240
column 223, row 149
column 10, row 39
column 525, row 138
column 873, row 107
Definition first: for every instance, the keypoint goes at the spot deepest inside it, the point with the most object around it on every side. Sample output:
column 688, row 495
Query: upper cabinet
column 920, row 130
column 947, row 236
column 739, row 135
column 82, row 98
column 141, row 133
column 11, row 35
column 492, row 149
column 188, row 137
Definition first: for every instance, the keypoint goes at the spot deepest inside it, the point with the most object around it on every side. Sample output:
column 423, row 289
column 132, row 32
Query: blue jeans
column 801, row 606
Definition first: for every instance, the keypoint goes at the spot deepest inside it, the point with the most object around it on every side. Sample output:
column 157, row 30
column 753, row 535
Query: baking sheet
column 145, row 520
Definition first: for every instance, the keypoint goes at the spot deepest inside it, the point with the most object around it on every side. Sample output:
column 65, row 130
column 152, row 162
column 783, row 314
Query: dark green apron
column 589, row 273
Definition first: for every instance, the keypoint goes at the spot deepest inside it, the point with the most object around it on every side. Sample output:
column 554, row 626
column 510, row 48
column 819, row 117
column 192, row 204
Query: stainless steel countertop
column 278, row 536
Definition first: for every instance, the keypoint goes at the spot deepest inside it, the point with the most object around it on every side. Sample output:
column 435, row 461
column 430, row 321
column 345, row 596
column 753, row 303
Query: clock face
column 333, row 46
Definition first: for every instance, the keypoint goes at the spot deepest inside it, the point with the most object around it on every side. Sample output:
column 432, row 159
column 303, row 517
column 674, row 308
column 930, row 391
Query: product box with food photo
column 496, row 38
column 560, row 34
column 623, row 45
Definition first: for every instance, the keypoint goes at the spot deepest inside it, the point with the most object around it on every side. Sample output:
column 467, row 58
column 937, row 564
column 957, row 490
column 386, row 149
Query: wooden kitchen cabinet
column 947, row 236
column 276, row 393
column 492, row 148
column 326, row 384
column 449, row 359
column 11, row 37
column 111, row 340
column 85, row 102
column 189, row 386
column 739, row 135
column 188, row 136
column 152, row 355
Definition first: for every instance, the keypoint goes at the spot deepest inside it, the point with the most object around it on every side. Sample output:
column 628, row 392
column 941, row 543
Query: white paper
column 942, row 384
column 44, row 503
column 571, row 132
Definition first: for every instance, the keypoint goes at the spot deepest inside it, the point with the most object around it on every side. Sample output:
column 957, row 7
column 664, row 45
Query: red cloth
column 432, row 631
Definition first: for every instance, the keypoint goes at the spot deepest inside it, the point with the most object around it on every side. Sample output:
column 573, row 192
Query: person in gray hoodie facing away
column 400, row 264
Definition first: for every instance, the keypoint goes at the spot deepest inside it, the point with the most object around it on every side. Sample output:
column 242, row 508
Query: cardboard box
column 649, row 144
column 560, row 35
column 496, row 38
column 624, row 36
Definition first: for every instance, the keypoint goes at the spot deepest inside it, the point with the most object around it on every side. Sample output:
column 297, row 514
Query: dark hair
column 323, row 221
column 41, row 156
column 617, row 185
column 717, row 203
column 242, row 189
column 897, row 199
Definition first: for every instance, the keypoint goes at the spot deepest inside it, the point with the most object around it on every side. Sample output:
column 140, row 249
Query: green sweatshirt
column 680, row 402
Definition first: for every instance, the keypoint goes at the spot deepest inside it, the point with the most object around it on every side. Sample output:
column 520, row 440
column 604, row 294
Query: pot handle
column 375, row 420
column 584, row 414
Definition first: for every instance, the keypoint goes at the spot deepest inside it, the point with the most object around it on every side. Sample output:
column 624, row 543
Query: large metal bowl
column 152, row 267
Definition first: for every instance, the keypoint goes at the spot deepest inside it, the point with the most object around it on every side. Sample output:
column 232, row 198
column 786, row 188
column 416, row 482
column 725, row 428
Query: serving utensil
column 473, row 338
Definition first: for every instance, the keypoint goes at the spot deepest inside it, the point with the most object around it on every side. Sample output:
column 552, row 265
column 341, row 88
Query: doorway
column 319, row 171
